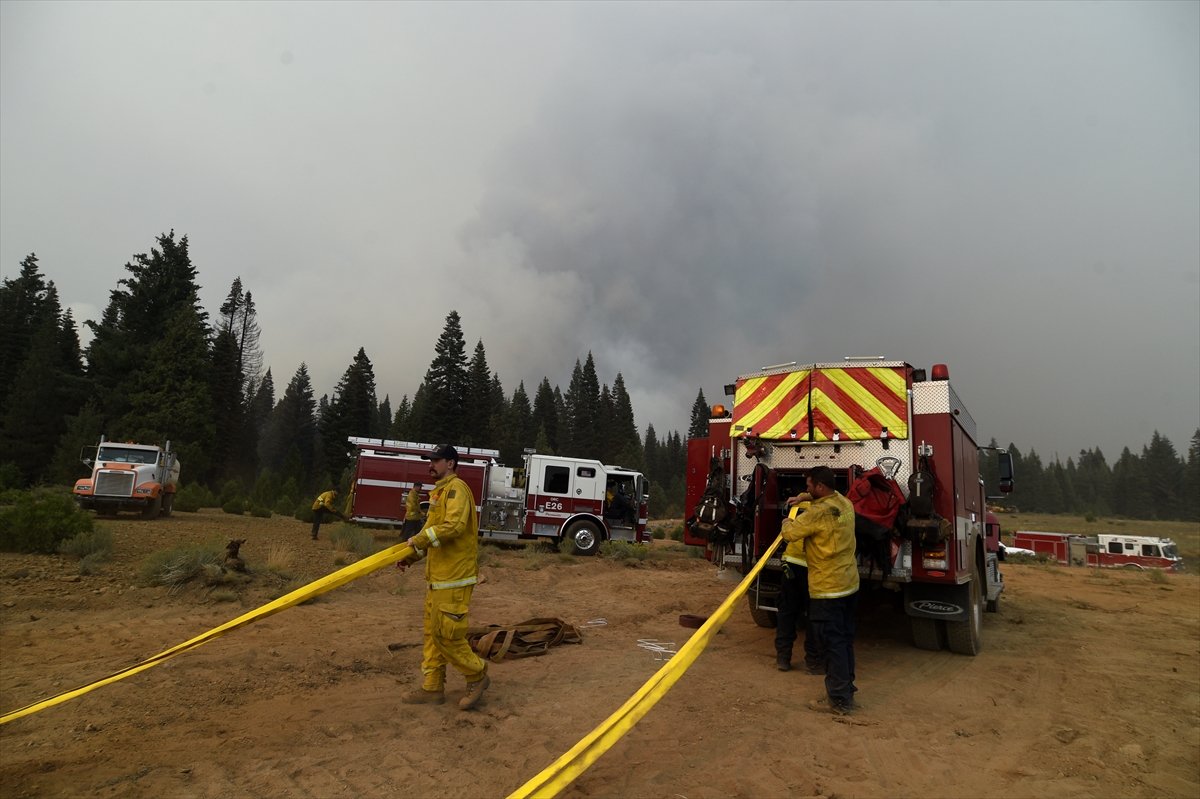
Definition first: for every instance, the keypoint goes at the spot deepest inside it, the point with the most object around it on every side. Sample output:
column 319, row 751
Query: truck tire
column 762, row 617
column 168, row 504
column 584, row 537
column 153, row 508
column 927, row 633
column 964, row 637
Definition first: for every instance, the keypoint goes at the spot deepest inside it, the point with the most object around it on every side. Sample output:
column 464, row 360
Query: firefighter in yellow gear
column 414, row 514
column 323, row 506
column 449, row 544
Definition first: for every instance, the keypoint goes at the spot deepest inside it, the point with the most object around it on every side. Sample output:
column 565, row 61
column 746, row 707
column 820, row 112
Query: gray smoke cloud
column 688, row 191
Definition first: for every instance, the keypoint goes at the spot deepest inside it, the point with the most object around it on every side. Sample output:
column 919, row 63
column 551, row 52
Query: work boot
column 783, row 663
column 423, row 697
column 827, row 705
column 474, row 693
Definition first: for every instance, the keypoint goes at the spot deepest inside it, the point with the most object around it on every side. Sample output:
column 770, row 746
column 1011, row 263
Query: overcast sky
column 689, row 191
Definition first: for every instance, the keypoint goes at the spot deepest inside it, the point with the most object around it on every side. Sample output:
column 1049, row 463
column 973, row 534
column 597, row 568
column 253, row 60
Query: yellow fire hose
column 316, row 588
column 562, row 772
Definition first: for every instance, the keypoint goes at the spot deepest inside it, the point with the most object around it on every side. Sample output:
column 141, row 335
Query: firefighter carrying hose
column 449, row 544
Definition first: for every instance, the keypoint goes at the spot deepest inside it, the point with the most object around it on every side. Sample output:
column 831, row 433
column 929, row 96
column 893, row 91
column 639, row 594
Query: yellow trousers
column 445, row 638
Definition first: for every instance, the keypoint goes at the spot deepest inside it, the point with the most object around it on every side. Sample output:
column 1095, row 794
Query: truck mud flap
column 945, row 602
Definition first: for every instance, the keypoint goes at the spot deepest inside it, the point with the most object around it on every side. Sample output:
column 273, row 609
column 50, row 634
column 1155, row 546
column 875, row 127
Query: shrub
column 90, row 564
column 280, row 558
column 236, row 506
column 659, row 533
column 191, row 498
column 230, row 491
column 39, row 520
column 10, row 475
column 623, row 550
column 677, row 533
column 176, row 567
column 303, row 512
column 349, row 538
column 224, row 595
column 87, row 543
column 1157, row 576
column 260, row 512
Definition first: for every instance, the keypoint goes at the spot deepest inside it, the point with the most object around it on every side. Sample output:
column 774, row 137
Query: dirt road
column 1089, row 685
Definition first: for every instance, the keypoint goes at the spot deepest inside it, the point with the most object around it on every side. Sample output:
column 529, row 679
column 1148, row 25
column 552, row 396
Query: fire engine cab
column 903, row 448
column 1106, row 551
column 575, row 500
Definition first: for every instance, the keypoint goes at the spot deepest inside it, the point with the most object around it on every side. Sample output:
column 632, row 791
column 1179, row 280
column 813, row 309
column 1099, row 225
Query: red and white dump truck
column 903, row 448
column 1104, row 550
column 129, row 477
column 553, row 498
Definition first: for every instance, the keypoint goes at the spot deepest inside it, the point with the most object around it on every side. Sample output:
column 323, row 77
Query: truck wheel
column 927, row 633
column 584, row 538
column 762, row 617
column 153, row 508
column 964, row 637
column 168, row 504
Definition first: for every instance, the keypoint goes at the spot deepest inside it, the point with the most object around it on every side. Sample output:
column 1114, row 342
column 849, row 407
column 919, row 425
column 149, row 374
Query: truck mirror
column 1005, row 465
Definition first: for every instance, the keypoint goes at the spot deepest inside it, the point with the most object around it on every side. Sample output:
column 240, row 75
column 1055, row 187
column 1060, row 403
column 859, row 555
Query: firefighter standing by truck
column 793, row 603
column 827, row 530
column 450, row 539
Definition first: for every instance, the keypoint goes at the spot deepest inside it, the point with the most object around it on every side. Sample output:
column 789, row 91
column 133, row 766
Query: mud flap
column 945, row 602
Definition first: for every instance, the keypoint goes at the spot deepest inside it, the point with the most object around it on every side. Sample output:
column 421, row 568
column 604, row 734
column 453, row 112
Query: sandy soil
column 1089, row 686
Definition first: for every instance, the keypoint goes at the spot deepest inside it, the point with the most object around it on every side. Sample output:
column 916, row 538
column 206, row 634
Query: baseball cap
column 444, row 452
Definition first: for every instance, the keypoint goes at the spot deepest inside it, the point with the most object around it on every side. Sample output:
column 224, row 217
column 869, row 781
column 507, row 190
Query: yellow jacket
column 412, row 505
column 450, row 536
column 795, row 549
column 827, row 531
column 325, row 501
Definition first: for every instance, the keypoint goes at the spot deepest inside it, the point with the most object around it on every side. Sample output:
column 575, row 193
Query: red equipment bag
column 876, row 497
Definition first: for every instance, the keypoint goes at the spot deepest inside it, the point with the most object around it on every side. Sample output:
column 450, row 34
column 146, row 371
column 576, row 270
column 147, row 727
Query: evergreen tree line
column 157, row 368
column 1155, row 484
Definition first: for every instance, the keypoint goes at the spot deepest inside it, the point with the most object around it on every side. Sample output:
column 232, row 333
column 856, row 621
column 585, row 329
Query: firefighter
column 323, row 506
column 827, row 530
column 793, row 602
column 449, row 542
column 414, row 514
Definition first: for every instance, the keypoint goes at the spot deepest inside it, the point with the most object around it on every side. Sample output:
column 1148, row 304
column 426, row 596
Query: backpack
column 877, row 501
column 712, row 518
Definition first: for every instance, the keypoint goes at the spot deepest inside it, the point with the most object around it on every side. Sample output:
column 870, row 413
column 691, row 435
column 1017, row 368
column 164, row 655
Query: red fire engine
column 1106, row 550
column 577, row 500
column 899, row 440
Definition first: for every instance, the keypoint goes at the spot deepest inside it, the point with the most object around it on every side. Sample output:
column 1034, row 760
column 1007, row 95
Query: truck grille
column 114, row 484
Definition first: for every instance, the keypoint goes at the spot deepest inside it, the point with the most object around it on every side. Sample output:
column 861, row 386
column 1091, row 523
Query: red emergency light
column 941, row 371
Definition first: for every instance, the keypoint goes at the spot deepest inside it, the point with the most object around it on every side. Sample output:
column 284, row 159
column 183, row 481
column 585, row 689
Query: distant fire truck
column 903, row 448
column 1105, row 550
column 575, row 500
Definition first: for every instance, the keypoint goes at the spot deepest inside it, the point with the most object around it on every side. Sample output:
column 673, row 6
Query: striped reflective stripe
column 463, row 583
column 772, row 406
column 858, row 403
column 433, row 539
column 797, row 561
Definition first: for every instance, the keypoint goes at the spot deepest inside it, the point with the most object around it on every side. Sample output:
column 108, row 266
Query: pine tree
column 651, row 456
column 698, row 427
column 170, row 398
column 292, row 426
column 1164, row 473
column 628, row 448
column 383, row 419
column 83, row 431
column 46, row 390
column 137, row 319
column 545, row 417
column 21, row 301
column 351, row 412
column 445, row 386
column 1130, row 489
column 401, row 420
column 606, row 442
column 479, row 406
column 227, row 447
column 1191, row 481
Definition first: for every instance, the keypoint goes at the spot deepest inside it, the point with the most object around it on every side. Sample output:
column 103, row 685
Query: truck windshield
column 123, row 455
column 1169, row 551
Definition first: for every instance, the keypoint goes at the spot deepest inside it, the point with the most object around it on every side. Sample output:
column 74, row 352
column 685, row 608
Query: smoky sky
column 688, row 191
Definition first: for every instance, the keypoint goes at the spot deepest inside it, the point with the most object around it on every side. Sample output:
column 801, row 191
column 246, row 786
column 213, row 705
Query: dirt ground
column 1088, row 686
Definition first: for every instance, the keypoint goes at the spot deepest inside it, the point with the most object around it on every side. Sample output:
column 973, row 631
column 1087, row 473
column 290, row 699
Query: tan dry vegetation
column 1088, row 686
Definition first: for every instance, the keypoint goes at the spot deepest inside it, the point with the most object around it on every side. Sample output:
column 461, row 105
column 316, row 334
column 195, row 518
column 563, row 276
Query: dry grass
column 280, row 559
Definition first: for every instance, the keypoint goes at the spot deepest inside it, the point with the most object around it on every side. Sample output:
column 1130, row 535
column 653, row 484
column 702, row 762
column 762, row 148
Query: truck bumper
column 112, row 504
